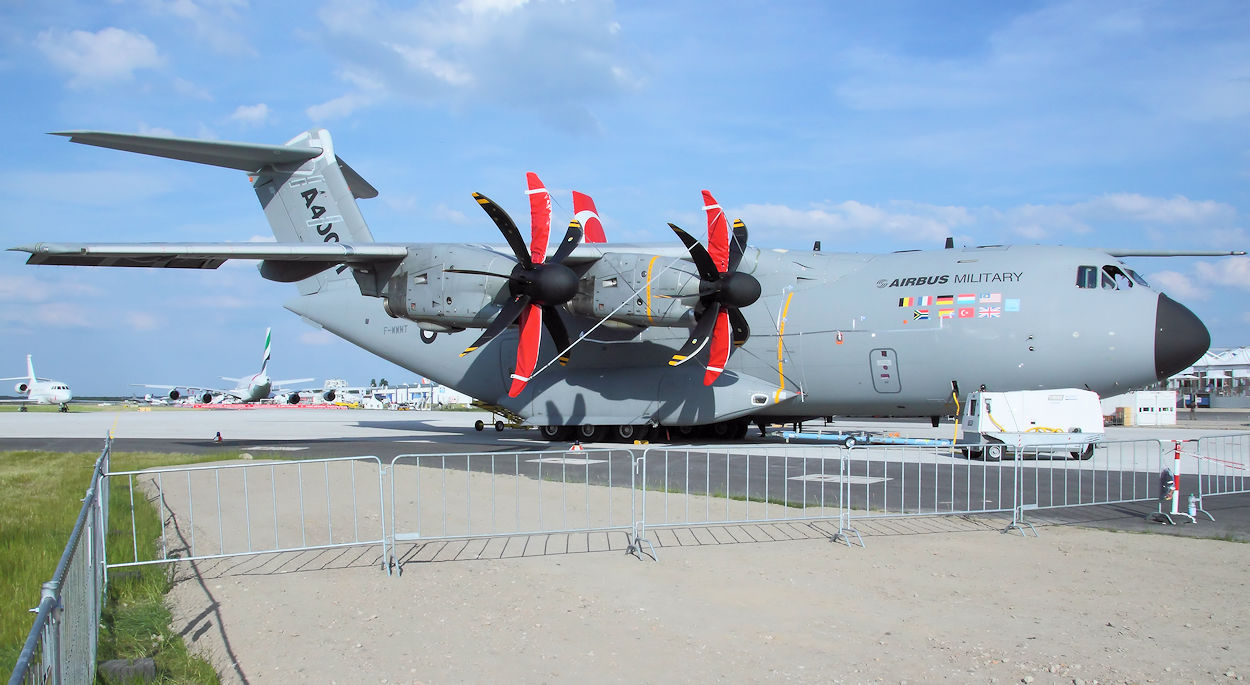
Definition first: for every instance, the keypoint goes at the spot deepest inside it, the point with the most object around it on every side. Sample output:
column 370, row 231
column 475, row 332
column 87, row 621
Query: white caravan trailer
column 1056, row 420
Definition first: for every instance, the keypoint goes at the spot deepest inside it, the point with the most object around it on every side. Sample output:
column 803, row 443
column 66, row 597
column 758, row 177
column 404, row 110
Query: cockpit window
column 1119, row 279
column 1109, row 277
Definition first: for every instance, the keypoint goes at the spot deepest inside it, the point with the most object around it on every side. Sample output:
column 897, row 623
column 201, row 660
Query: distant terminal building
column 1220, row 380
column 424, row 394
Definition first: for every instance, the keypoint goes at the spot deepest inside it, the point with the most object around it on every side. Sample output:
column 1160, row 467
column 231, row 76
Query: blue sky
column 869, row 126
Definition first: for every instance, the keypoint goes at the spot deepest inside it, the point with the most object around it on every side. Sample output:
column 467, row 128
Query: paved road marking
column 835, row 478
column 272, row 448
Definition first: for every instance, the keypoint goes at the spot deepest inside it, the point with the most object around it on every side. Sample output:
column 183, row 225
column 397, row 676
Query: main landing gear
column 724, row 431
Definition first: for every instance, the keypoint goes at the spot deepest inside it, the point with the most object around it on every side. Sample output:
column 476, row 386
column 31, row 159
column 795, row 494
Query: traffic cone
column 576, row 447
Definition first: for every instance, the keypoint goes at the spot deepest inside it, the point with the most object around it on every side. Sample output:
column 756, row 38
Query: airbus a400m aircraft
column 687, row 335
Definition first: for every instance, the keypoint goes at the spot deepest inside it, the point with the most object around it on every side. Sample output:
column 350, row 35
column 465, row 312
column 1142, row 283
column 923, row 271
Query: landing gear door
column 883, row 364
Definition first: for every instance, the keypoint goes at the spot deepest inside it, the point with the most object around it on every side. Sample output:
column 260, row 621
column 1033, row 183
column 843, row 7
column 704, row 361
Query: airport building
column 1220, row 380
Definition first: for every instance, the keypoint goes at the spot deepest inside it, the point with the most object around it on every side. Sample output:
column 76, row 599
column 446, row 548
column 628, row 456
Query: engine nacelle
column 292, row 398
column 206, row 398
column 328, row 396
column 649, row 291
column 174, row 394
column 21, row 387
column 429, row 291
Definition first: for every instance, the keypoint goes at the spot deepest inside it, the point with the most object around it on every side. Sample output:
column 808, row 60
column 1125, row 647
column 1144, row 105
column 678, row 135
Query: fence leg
column 640, row 524
column 844, row 506
column 1018, row 521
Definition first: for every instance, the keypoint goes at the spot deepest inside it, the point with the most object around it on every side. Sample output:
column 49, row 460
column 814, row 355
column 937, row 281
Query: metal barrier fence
column 347, row 501
column 61, row 646
column 497, row 494
column 336, row 503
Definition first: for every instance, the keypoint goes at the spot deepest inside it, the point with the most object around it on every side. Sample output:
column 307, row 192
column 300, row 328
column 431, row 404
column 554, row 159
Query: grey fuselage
column 845, row 334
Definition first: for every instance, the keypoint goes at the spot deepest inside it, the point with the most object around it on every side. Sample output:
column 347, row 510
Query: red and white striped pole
column 1176, row 477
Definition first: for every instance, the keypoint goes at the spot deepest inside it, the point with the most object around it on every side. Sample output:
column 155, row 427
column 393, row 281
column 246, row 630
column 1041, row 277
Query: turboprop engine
column 449, row 288
column 638, row 290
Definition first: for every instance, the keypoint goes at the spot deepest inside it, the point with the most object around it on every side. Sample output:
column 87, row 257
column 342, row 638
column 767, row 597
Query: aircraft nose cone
column 1180, row 337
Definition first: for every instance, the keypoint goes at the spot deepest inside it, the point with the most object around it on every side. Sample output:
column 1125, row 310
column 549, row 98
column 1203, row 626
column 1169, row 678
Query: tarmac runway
column 306, row 433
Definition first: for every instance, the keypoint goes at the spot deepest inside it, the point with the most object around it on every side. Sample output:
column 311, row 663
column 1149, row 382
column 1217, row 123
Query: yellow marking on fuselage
column 781, row 329
column 650, row 270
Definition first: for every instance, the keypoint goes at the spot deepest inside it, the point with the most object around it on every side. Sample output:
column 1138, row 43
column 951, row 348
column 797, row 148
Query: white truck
column 1031, row 421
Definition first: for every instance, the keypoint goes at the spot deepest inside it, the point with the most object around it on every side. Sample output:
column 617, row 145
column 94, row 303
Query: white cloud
column 1232, row 272
column 552, row 57
column 251, row 115
column 215, row 23
column 912, row 221
column 39, row 289
column 101, row 58
column 142, row 321
column 1178, row 285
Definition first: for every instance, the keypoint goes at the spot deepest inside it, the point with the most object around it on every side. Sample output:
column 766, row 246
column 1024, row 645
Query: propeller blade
column 585, row 212
column 507, row 227
column 506, row 316
column 559, row 334
column 527, row 348
column 720, row 347
column 737, row 244
column 540, row 217
column 702, row 260
column 738, row 322
column 699, row 339
column 717, row 233
column 571, row 238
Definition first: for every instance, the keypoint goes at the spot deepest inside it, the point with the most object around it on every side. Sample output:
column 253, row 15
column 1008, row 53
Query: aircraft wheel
column 974, row 453
column 685, row 432
column 589, row 432
column 720, row 431
column 478, row 425
column 23, row 408
column 740, row 430
column 993, row 452
column 556, row 433
column 849, row 442
column 499, row 426
column 627, row 433
column 1084, row 454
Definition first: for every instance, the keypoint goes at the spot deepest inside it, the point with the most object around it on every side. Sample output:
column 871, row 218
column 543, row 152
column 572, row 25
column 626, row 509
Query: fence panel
column 1223, row 464
column 501, row 494
column 702, row 485
column 61, row 646
column 1118, row 472
column 227, row 510
column 903, row 481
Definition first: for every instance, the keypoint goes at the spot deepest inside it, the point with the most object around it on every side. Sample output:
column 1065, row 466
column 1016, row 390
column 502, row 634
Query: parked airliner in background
column 40, row 390
column 635, row 336
column 252, row 388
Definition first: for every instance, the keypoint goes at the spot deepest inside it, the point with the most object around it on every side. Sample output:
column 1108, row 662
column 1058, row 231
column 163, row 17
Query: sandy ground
column 949, row 600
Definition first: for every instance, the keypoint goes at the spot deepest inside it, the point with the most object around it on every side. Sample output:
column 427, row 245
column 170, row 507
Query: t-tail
column 308, row 193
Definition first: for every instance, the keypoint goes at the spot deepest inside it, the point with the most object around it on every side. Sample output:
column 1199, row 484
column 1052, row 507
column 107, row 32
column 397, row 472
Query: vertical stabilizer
column 264, row 363
column 30, row 370
column 313, row 202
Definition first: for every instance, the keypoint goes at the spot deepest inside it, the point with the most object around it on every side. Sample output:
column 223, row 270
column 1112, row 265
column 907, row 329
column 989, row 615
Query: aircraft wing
column 205, row 255
column 278, row 385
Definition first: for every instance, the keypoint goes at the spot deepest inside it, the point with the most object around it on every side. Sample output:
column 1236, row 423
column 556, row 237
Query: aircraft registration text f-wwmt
column 716, row 333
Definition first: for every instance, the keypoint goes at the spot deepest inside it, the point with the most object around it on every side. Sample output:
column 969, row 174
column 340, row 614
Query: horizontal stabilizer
column 250, row 157
column 205, row 255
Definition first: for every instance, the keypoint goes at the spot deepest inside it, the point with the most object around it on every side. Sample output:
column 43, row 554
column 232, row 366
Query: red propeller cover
column 540, row 216
column 585, row 212
column 720, row 347
column 527, row 348
column 717, row 233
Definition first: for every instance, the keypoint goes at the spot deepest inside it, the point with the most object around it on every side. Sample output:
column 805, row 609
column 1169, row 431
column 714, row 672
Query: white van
column 1064, row 419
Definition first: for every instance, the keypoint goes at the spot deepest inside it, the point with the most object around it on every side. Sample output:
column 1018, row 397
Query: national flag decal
column 946, row 313
column 967, row 312
column 945, row 300
column 920, row 315
column 991, row 298
column 989, row 312
column 967, row 298
column 907, row 302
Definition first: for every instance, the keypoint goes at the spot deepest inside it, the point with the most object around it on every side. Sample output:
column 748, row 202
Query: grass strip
column 43, row 495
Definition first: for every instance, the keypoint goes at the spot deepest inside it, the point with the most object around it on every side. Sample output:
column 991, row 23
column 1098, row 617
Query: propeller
column 723, row 291
column 537, row 286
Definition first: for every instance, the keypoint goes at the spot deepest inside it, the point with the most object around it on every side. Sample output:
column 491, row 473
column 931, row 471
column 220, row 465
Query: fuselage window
column 1087, row 277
